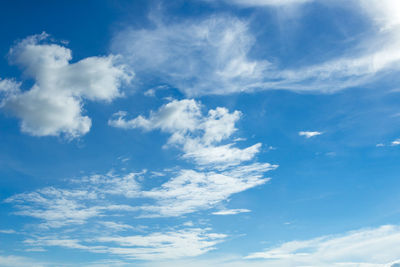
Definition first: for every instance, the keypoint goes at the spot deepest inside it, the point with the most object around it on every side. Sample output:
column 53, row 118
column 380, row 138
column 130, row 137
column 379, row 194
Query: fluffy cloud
column 309, row 134
column 196, row 134
column 370, row 247
column 54, row 103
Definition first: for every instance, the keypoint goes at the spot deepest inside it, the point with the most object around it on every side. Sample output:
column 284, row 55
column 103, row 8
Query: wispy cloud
column 369, row 246
column 230, row 211
column 191, row 190
column 7, row 231
column 188, row 242
column 207, row 56
column 53, row 105
column 212, row 56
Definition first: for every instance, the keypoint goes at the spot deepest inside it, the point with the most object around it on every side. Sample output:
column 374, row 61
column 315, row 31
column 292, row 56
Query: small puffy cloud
column 54, row 103
column 395, row 142
column 230, row 211
column 309, row 134
column 198, row 135
column 368, row 247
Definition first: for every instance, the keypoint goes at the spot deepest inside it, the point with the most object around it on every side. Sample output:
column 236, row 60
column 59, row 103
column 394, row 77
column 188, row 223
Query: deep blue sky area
column 194, row 133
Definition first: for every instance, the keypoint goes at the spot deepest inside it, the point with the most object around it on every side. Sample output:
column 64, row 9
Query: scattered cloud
column 376, row 247
column 309, row 134
column 54, row 103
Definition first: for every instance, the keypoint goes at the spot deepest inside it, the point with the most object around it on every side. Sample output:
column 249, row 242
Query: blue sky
column 193, row 133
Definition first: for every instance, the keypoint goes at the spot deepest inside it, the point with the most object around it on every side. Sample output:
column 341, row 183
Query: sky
column 200, row 133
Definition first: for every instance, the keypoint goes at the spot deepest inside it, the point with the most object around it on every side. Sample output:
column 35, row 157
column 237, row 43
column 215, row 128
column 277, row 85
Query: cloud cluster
column 54, row 103
column 198, row 135
column 90, row 207
column 91, row 203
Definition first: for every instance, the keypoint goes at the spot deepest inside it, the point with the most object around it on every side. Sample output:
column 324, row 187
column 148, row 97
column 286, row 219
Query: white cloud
column 368, row 247
column 208, row 56
column 54, row 104
column 230, row 211
column 55, row 206
column 191, row 191
column 116, row 226
column 196, row 134
column 395, row 142
column 188, row 242
column 64, row 207
column 7, row 231
column 309, row 134
column 212, row 56
column 169, row 245
column 18, row 261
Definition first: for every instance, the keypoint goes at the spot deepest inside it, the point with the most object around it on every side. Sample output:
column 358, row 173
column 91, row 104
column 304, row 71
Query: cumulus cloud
column 196, row 134
column 367, row 247
column 54, row 103
column 309, row 134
